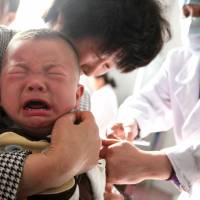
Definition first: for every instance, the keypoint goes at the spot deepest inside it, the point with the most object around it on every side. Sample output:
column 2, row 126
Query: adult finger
column 108, row 142
column 68, row 118
column 85, row 116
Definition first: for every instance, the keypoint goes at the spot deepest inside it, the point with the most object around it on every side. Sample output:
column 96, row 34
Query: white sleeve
column 151, row 107
column 97, row 176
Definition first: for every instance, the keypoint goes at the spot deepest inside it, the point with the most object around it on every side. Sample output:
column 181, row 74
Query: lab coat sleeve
column 151, row 107
column 185, row 159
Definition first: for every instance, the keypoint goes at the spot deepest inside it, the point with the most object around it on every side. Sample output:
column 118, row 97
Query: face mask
column 190, row 29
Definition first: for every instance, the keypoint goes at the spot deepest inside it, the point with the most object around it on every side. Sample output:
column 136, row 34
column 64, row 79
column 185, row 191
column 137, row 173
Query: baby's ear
column 80, row 91
column 79, row 94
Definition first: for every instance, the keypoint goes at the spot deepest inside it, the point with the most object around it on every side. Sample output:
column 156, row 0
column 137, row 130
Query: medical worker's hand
column 126, row 131
column 126, row 164
column 111, row 193
column 112, row 196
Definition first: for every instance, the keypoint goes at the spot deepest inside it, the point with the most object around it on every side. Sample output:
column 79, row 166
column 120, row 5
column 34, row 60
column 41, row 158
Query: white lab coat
column 172, row 100
column 104, row 107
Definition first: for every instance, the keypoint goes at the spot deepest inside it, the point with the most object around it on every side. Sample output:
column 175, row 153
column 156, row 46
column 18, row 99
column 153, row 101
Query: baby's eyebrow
column 52, row 65
column 16, row 65
column 19, row 64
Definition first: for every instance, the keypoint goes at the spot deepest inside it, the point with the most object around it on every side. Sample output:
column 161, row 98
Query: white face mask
column 190, row 32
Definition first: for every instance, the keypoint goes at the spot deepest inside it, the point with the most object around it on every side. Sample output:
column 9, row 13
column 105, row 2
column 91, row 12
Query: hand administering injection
column 127, row 164
column 126, row 131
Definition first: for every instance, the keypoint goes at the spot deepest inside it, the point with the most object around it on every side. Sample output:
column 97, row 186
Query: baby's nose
column 36, row 85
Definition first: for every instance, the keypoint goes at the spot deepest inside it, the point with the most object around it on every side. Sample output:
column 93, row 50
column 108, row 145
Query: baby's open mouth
column 36, row 104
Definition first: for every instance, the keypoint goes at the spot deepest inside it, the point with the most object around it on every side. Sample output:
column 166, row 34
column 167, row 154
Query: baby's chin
column 38, row 132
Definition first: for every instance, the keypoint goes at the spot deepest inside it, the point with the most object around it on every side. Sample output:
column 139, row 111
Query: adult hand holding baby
column 77, row 143
column 73, row 150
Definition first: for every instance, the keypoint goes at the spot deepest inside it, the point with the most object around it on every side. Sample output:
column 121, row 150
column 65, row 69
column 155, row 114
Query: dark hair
column 135, row 29
column 107, row 80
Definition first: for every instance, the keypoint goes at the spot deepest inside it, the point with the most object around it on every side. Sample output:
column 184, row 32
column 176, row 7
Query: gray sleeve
column 5, row 37
column 11, row 166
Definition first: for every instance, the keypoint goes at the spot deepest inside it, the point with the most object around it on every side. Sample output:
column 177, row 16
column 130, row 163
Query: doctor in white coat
column 171, row 100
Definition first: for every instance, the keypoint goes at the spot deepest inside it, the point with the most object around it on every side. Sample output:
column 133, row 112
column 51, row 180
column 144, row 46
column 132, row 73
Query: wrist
column 159, row 166
column 35, row 175
column 63, row 165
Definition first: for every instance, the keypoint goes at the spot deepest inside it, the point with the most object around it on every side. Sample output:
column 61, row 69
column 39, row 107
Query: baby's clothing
column 89, row 186
column 85, row 186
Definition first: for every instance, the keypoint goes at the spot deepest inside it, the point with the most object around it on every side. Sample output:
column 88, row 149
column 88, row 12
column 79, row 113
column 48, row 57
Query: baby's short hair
column 42, row 33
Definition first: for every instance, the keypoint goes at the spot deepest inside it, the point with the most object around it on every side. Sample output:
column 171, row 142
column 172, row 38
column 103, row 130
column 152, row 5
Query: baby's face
column 39, row 83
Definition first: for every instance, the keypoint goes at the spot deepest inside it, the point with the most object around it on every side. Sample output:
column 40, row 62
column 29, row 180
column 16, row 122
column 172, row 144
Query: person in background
column 8, row 10
column 122, row 34
column 171, row 100
column 103, row 101
column 111, row 34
